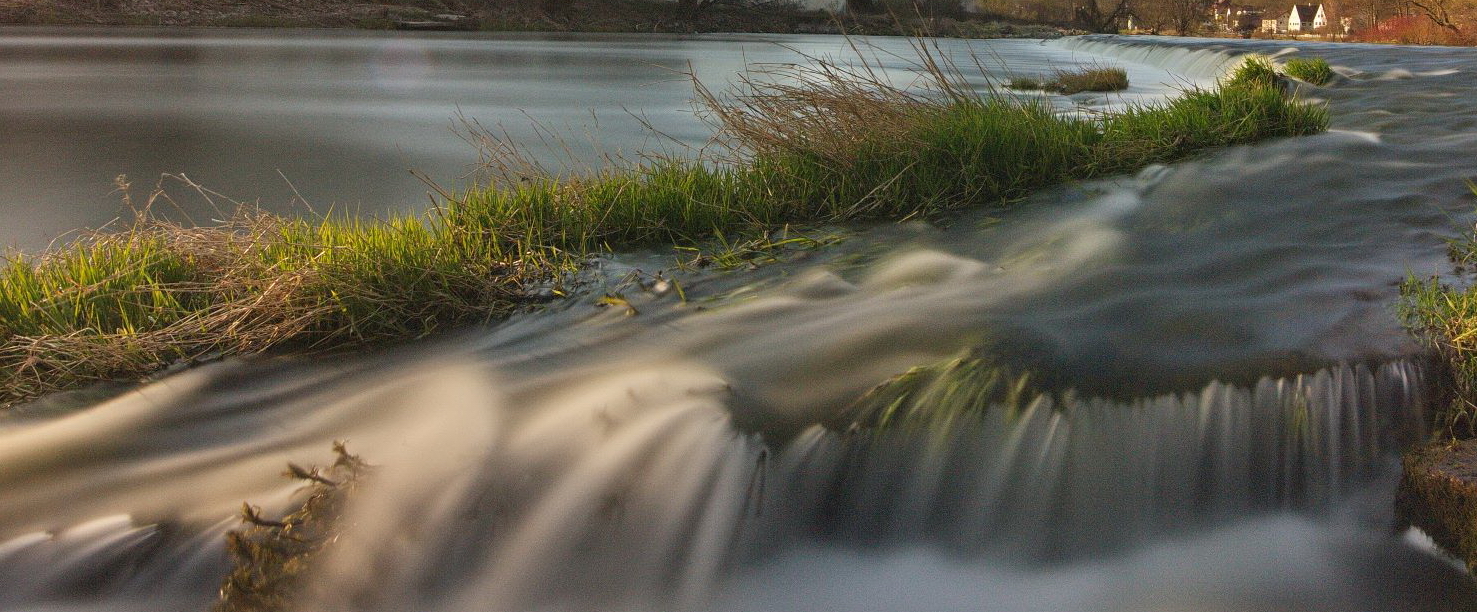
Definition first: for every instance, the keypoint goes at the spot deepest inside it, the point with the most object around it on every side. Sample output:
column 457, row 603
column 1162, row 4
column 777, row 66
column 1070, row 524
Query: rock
column 1438, row 494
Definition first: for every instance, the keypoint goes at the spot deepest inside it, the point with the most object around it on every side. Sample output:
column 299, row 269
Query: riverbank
column 644, row 16
column 831, row 146
column 1438, row 491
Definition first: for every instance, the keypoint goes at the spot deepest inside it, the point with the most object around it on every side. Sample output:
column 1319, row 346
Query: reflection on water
column 1225, row 390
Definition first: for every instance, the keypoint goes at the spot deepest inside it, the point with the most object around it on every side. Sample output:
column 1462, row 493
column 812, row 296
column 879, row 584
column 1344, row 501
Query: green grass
column 1089, row 79
column 828, row 146
column 1026, row 83
column 937, row 396
column 1314, row 70
column 1068, row 82
column 1444, row 318
column 1254, row 71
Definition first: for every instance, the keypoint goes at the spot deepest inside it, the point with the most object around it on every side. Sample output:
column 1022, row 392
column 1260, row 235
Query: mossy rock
column 1438, row 493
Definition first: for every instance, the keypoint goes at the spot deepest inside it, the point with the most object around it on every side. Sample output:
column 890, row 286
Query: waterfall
column 636, row 490
column 1194, row 63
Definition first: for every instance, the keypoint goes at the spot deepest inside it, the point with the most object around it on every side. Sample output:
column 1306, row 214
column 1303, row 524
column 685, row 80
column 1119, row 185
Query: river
column 325, row 121
column 1223, row 385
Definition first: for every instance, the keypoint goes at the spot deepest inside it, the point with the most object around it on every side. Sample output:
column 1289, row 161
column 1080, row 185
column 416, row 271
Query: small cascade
column 1192, row 63
column 1070, row 476
column 635, row 490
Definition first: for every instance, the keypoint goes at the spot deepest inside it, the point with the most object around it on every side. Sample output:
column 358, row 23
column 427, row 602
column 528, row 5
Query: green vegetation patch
column 935, row 397
column 1314, row 70
column 271, row 559
column 1438, row 489
column 826, row 144
column 1444, row 318
column 1068, row 82
column 1089, row 79
column 1026, row 83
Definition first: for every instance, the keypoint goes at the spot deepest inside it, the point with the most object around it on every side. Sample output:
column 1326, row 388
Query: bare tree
column 1184, row 17
column 693, row 7
column 1187, row 15
column 1443, row 13
column 555, row 7
column 1100, row 15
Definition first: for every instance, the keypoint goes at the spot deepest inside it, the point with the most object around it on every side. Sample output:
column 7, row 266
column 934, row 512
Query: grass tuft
column 825, row 144
column 1314, row 70
column 1026, row 84
column 1089, row 79
column 1444, row 318
column 935, row 397
column 1254, row 71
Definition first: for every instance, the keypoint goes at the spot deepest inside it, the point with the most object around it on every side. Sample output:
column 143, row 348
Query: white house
column 1306, row 18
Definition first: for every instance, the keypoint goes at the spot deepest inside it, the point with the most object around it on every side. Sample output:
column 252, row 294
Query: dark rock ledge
column 1438, row 494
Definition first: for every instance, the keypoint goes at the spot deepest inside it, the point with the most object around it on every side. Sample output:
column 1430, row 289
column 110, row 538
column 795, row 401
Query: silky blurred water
column 1220, row 389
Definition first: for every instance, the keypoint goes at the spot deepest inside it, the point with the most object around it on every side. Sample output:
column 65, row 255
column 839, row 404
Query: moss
column 1438, row 493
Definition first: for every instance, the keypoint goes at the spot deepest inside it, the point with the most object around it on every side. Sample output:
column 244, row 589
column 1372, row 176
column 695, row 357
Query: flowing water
column 1220, row 389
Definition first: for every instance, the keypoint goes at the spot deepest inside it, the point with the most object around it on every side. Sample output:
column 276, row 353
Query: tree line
column 1185, row 17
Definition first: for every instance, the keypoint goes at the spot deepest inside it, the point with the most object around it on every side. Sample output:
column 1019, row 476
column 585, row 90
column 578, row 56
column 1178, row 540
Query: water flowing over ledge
column 1201, row 65
column 636, row 492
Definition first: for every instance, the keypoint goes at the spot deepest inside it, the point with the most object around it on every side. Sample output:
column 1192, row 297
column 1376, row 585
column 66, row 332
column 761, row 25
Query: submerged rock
column 1438, row 493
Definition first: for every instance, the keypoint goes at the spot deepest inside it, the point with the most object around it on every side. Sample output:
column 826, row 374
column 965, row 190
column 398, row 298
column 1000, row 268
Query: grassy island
column 1068, row 82
column 831, row 144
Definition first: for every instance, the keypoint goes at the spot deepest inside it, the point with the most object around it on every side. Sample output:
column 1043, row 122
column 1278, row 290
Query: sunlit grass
column 828, row 144
column 1314, row 70
column 1068, row 82
column 1444, row 317
column 937, row 396
column 1100, row 78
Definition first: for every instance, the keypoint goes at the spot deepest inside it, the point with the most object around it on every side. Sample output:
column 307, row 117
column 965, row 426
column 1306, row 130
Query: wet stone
column 1438, row 494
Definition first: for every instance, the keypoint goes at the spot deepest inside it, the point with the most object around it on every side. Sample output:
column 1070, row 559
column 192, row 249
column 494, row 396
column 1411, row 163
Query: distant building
column 1275, row 25
column 1306, row 18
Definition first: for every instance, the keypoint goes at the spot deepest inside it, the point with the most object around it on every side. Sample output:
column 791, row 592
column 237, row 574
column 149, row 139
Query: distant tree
column 1187, row 15
column 1367, row 14
column 1100, row 15
column 1184, row 17
column 1443, row 13
column 692, row 7
column 906, row 7
column 555, row 7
